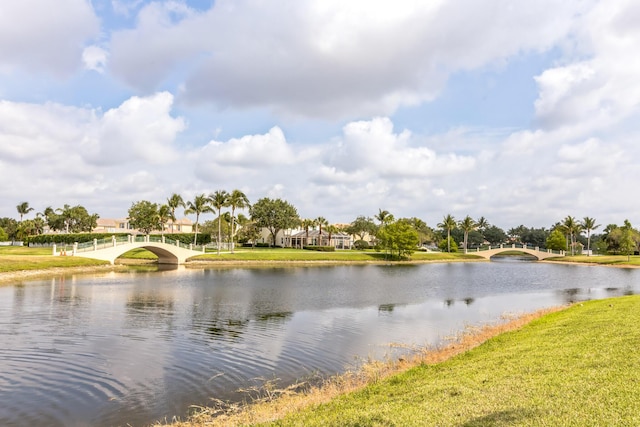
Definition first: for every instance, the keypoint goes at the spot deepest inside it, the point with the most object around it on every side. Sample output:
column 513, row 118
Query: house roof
column 315, row 233
column 108, row 222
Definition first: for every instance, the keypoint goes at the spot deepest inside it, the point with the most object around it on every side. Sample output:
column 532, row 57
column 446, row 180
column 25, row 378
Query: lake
column 135, row 347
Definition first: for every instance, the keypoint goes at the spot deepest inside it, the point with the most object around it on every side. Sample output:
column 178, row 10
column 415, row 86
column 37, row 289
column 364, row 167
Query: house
column 110, row 225
column 338, row 240
column 298, row 238
column 184, row 225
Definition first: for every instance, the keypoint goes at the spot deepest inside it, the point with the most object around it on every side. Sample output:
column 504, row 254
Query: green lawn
column 23, row 250
column 576, row 367
column 618, row 260
column 260, row 254
column 21, row 258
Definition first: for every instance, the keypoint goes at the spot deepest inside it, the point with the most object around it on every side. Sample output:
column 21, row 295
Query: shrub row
column 320, row 248
column 361, row 244
column 70, row 239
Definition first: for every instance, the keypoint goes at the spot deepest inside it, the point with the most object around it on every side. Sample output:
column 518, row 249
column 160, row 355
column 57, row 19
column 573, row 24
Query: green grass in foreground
column 17, row 258
column 576, row 367
column 306, row 255
column 619, row 260
column 23, row 250
column 22, row 263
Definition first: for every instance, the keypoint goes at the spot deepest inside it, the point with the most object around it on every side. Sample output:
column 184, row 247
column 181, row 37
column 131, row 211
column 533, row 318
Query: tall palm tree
column 174, row 202
column 219, row 200
column 571, row 228
column 331, row 230
column 307, row 224
column 482, row 224
column 589, row 224
column 321, row 221
column 199, row 206
column 164, row 215
column 66, row 213
column 448, row 223
column 384, row 217
column 467, row 225
column 237, row 200
column 23, row 209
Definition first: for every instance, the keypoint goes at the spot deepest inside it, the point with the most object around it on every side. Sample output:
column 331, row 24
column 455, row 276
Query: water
column 131, row 348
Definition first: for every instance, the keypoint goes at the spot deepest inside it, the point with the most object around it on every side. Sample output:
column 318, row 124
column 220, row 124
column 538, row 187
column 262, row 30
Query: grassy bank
column 337, row 256
column 614, row 260
column 575, row 367
column 17, row 258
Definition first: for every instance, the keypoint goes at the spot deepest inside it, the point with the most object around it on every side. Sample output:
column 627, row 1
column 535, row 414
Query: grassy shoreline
column 576, row 367
column 21, row 263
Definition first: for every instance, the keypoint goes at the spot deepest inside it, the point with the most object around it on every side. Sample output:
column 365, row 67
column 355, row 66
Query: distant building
column 110, row 225
column 297, row 238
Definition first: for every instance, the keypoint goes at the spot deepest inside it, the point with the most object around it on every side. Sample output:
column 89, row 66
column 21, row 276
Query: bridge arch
column 164, row 256
column 167, row 253
column 536, row 252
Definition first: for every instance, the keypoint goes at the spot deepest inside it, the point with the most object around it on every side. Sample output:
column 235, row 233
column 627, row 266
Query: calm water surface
column 132, row 348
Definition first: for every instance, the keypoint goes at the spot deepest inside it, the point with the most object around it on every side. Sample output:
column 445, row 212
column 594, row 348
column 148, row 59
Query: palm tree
column 589, row 224
column 237, row 200
column 219, row 200
column 448, row 223
column 174, row 202
column 164, row 215
column 307, row 224
column 320, row 221
column 23, row 209
column 467, row 225
column 66, row 213
column 331, row 230
column 482, row 224
column 571, row 228
column 199, row 206
column 384, row 217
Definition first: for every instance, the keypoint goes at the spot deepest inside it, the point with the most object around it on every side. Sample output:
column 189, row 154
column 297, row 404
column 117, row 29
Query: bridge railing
column 98, row 244
column 516, row 246
column 158, row 238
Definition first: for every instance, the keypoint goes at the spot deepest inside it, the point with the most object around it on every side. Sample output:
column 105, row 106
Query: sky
column 522, row 112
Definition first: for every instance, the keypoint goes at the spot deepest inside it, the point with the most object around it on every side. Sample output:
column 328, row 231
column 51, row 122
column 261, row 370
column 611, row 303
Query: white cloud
column 36, row 35
column 372, row 145
column 250, row 155
column 95, row 58
column 330, row 59
column 140, row 128
column 601, row 90
column 58, row 154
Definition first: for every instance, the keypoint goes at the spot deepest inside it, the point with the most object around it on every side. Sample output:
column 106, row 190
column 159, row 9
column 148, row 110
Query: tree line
column 400, row 237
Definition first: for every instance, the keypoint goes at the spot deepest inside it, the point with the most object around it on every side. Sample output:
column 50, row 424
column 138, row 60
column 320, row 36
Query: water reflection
column 139, row 346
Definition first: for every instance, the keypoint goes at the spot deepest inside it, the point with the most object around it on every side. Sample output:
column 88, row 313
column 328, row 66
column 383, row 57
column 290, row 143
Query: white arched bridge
column 168, row 251
column 540, row 254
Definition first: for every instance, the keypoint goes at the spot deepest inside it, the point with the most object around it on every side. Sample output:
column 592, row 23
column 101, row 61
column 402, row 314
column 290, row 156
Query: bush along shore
column 573, row 367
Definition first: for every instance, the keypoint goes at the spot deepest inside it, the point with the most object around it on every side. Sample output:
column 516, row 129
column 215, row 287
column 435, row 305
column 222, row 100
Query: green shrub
column 361, row 244
column 320, row 248
column 452, row 243
column 70, row 239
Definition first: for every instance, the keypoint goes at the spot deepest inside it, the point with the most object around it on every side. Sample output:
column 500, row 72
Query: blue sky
column 517, row 111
